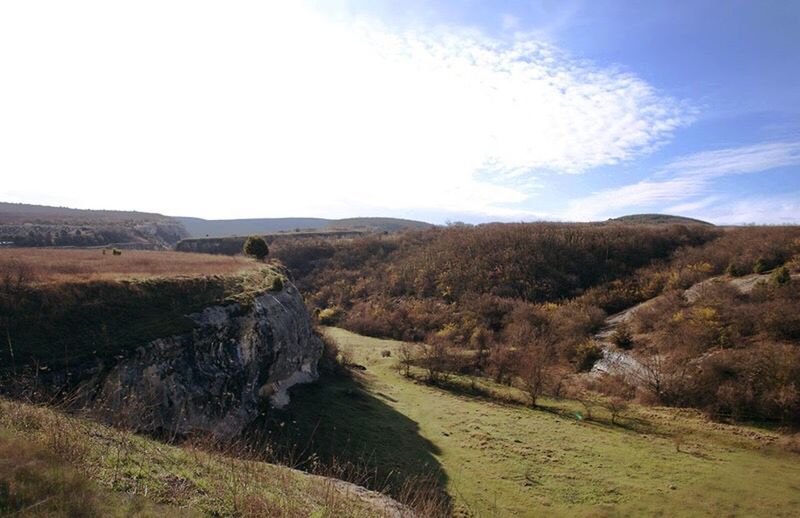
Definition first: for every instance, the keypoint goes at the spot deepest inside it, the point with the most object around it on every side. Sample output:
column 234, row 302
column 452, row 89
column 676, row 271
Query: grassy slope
column 55, row 465
column 501, row 459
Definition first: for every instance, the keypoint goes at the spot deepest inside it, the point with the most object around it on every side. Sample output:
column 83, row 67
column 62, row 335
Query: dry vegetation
column 59, row 465
column 520, row 303
column 47, row 265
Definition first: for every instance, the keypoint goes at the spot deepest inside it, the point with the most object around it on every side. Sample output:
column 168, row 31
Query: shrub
column 622, row 337
column 534, row 369
column 331, row 361
column 736, row 269
column 616, row 406
column 406, row 356
column 781, row 276
column 256, row 246
column 587, row 354
column 277, row 284
column 330, row 316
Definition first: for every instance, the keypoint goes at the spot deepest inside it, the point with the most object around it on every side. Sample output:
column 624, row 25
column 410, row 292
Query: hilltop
column 658, row 219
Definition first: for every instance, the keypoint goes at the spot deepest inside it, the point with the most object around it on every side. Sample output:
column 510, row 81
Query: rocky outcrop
column 219, row 377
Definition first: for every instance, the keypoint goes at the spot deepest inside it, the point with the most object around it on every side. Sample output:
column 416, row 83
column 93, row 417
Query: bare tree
column 537, row 361
column 406, row 356
column 434, row 357
column 616, row 406
column 534, row 370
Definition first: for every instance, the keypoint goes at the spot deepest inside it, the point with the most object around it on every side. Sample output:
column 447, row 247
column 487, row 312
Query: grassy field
column 498, row 459
column 51, row 265
column 56, row 465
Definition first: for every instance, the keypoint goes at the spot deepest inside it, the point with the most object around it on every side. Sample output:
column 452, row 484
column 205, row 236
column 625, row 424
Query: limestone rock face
column 218, row 377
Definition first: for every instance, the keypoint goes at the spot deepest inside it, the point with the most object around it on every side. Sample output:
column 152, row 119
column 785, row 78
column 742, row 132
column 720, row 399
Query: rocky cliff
column 218, row 377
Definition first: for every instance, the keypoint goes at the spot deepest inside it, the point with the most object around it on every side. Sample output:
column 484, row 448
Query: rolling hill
column 198, row 227
column 659, row 219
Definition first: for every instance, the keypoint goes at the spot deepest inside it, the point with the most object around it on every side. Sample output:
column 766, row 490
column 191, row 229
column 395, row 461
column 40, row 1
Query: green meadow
column 498, row 457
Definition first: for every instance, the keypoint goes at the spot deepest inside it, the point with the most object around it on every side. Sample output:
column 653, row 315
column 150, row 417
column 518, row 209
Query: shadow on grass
column 336, row 427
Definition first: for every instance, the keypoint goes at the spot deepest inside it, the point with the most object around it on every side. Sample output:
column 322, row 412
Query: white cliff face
column 218, row 378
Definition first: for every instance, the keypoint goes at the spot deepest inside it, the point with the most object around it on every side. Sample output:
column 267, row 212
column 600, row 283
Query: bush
column 256, row 246
column 277, row 284
column 587, row 354
column 329, row 316
column 331, row 361
column 623, row 338
column 737, row 269
column 781, row 276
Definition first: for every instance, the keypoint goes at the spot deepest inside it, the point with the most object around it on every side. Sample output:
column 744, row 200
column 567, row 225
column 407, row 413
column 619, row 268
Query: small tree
column 533, row 370
column 434, row 358
column 256, row 246
column 480, row 341
column 406, row 356
column 616, row 406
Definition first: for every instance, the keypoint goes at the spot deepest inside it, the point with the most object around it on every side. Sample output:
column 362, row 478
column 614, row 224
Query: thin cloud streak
column 686, row 178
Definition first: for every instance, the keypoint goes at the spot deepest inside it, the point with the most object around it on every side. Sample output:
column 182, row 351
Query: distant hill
column 198, row 227
column 659, row 219
column 40, row 225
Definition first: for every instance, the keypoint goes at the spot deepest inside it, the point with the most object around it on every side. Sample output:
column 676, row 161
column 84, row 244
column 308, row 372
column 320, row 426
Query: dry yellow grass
column 47, row 265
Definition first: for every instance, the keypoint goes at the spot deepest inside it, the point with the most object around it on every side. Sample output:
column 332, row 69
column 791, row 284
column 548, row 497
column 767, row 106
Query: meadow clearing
column 499, row 458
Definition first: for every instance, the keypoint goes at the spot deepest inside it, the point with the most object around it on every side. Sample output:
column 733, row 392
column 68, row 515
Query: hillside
column 198, row 227
column 38, row 225
column 658, row 219
column 496, row 456
column 522, row 302
column 60, row 465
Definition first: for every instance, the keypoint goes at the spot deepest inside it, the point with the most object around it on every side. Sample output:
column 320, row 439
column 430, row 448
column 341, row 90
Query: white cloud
column 781, row 209
column 686, row 178
column 693, row 206
column 509, row 21
column 269, row 109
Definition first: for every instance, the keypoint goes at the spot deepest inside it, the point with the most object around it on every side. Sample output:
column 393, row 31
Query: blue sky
column 473, row 111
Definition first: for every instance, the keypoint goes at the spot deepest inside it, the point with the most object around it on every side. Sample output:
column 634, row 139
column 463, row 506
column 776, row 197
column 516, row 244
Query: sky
column 473, row 111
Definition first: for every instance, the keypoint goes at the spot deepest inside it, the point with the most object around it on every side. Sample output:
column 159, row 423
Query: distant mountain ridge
column 198, row 227
column 41, row 225
column 11, row 213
